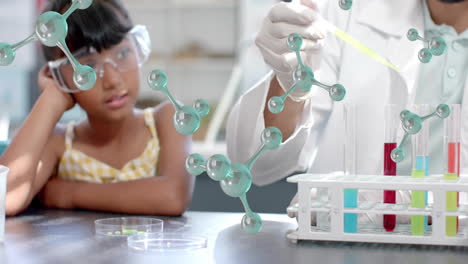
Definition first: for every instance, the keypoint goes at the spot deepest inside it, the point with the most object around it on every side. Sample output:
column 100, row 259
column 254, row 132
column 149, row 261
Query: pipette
column 331, row 28
column 356, row 44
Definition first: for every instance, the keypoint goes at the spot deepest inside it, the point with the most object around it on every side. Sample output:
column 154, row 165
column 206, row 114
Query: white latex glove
column 299, row 17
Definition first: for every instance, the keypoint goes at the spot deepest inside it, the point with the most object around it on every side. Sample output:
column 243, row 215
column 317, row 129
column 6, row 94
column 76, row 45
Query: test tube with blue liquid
column 420, row 170
column 350, row 195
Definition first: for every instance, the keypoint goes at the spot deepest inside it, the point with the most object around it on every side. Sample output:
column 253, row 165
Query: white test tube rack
column 375, row 233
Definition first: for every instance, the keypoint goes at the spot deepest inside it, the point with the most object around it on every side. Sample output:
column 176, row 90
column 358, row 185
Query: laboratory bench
column 58, row 236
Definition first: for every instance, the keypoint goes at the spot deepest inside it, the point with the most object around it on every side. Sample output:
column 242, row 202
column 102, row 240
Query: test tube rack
column 375, row 233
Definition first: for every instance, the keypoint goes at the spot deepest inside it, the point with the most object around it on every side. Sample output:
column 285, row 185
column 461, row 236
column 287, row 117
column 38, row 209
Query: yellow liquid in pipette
column 364, row 49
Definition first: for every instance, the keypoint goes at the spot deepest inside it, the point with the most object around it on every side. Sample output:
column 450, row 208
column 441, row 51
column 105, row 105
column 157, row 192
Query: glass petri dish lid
column 166, row 242
column 126, row 226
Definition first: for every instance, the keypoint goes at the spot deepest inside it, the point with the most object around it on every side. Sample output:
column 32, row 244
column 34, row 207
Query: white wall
column 252, row 15
column 194, row 42
column 16, row 23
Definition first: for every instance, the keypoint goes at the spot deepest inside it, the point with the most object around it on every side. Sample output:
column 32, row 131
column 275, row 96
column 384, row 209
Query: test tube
column 350, row 195
column 392, row 121
column 420, row 170
column 452, row 165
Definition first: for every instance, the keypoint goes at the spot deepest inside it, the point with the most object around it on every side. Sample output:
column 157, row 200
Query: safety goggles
column 126, row 56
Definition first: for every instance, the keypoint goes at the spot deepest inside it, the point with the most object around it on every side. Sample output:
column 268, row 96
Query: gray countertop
column 55, row 236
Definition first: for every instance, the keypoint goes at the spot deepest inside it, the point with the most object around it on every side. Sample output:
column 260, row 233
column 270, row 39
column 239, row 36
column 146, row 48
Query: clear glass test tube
column 350, row 195
column 452, row 165
column 392, row 123
column 420, row 170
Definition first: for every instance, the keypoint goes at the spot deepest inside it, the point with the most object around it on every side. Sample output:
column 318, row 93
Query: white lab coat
column 380, row 24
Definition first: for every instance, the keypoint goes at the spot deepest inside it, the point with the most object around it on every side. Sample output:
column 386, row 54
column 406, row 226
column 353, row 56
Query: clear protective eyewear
column 128, row 55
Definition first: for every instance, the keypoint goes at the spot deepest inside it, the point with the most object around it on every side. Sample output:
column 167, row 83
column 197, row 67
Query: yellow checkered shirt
column 77, row 166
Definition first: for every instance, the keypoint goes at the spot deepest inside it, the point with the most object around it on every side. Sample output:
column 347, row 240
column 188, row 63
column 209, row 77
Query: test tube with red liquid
column 392, row 121
column 452, row 171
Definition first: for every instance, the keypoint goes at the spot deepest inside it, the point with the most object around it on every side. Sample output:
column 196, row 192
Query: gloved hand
column 299, row 17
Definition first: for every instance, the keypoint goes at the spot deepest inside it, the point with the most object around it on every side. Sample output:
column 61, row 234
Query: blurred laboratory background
column 207, row 49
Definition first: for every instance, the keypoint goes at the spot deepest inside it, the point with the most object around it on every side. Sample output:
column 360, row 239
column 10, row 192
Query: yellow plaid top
column 77, row 166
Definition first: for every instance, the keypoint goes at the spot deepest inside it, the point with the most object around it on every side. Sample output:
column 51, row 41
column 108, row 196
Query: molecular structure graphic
column 435, row 46
column 236, row 179
column 412, row 124
column 186, row 118
column 51, row 30
column 345, row 4
column 303, row 78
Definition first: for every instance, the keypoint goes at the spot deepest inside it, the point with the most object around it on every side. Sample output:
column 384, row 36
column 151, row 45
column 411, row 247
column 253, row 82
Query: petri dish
column 126, row 226
column 166, row 242
column 175, row 226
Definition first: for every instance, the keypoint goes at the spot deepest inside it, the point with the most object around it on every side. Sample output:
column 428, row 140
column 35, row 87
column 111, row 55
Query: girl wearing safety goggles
column 119, row 159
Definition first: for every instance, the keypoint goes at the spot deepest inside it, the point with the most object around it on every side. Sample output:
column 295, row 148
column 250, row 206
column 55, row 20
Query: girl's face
column 116, row 90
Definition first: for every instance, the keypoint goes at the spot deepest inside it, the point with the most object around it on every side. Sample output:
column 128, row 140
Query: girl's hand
column 63, row 101
column 58, row 193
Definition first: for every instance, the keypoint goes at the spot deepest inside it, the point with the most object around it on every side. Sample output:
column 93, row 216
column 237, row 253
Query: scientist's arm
column 283, row 20
column 245, row 125
column 288, row 119
column 301, row 123
column 169, row 193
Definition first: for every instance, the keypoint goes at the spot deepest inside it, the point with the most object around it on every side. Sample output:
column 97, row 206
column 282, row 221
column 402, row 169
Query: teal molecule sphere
column 404, row 114
column 195, row 164
column 337, row 92
column 218, row 167
column 271, row 137
column 397, row 155
column 251, row 223
column 84, row 77
column 186, row 120
column 202, row 107
column 83, row 4
column 294, row 42
column 235, row 179
column 303, row 79
column 301, row 74
column 276, row 104
column 412, row 34
column 443, row 111
column 239, row 182
column 345, row 4
column 437, row 46
column 425, row 55
column 51, row 28
column 157, row 80
column 304, row 85
column 7, row 55
column 412, row 123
